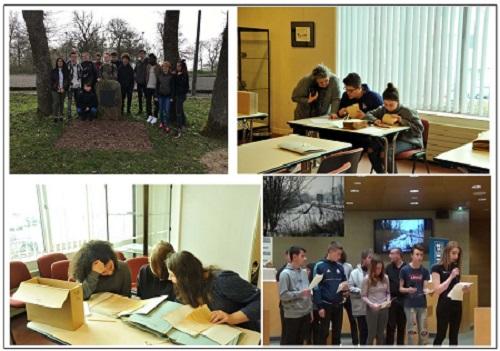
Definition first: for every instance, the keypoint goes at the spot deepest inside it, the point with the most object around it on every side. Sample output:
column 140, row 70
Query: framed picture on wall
column 303, row 34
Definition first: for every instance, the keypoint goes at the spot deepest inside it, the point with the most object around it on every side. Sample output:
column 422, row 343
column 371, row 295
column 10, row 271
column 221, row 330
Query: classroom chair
column 120, row 256
column 44, row 263
column 339, row 159
column 417, row 154
column 60, row 270
column 18, row 273
column 342, row 169
column 135, row 264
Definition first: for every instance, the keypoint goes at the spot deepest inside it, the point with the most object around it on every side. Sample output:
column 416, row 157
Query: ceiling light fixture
column 414, row 203
column 479, row 193
column 357, row 183
column 481, row 199
column 349, row 203
column 476, row 186
column 354, row 190
column 414, row 190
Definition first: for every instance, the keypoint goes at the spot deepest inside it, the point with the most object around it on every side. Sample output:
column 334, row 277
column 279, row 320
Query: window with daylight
column 441, row 58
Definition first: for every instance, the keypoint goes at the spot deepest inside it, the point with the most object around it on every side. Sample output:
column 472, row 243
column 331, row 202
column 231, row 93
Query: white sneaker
column 154, row 120
column 149, row 119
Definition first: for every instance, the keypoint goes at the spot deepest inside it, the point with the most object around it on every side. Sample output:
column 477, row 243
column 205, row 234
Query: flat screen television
column 391, row 233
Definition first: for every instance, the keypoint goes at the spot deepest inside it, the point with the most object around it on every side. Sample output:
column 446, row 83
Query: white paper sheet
column 316, row 280
column 456, row 293
column 151, row 304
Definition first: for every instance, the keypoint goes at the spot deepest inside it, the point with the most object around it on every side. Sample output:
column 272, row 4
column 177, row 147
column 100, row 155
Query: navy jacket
column 369, row 101
column 326, row 292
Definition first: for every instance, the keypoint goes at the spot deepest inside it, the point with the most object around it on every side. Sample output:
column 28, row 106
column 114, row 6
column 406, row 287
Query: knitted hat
column 391, row 93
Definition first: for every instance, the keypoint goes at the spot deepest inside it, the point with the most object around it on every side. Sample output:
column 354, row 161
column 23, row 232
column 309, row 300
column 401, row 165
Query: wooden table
column 247, row 122
column 466, row 159
column 266, row 157
column 332, row 129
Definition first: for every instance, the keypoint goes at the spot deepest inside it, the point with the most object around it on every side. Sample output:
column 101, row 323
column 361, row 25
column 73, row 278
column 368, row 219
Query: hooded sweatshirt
column 291, row 282
column 355, row 285
column 369, row 101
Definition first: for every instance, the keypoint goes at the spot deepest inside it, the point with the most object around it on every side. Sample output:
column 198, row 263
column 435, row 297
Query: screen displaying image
column 401, row 233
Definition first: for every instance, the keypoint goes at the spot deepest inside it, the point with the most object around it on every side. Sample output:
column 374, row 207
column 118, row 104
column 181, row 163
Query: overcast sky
column 145, row 19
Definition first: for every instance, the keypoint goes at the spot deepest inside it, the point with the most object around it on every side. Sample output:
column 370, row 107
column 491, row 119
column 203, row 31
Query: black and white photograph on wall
column 303, row 206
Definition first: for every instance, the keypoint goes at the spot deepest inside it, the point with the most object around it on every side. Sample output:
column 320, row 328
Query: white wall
column 217, row 223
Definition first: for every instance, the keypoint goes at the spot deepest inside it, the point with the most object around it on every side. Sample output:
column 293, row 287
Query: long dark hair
column 64, row 62
column 81, row 265
column 193, row 280
column 184, row 68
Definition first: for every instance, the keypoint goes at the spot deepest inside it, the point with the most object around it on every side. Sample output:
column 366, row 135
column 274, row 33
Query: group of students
column 164, row 87
column 179, row 275
column 379, row 301
column 318, row 94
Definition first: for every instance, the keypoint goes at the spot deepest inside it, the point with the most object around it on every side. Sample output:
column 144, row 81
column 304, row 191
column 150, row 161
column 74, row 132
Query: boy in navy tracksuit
column 326, row 297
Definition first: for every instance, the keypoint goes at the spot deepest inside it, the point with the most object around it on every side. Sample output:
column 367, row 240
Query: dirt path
column 216, row 161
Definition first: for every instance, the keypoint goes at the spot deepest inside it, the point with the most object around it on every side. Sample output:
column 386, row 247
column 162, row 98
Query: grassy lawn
column 32, row 142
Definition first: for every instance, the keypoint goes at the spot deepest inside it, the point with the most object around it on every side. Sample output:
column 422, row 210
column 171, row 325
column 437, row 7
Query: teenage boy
column 140, row 76
column 295, row 296
column 98, row 61
column 87, row 103
column 89, row 72
column 282, row 316
column 115, row 60
column 75, row 80
column 397, row 318
column 326, row 297
column 412, row 280
column 358, row 93
column 126, row 80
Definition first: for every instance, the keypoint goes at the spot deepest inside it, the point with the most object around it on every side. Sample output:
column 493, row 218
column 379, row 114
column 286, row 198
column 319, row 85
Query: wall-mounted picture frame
column 302, row 34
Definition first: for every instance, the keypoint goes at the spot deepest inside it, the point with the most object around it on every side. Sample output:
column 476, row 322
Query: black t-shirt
column 393, row 272
column 443, row 275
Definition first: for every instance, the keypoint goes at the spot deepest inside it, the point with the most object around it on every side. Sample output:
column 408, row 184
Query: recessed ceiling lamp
column 349, row 203
column 414, row 203
column 414, row 190
column 479, row 193
column 476, row 186
column 481, row 199
column 354, row 190
column 357, row 183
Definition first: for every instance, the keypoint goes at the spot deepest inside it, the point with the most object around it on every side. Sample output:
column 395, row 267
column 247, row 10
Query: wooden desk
column 266, row 157
column 466, row 158
column 247, row 123
column 482, row 329
column 332, row 129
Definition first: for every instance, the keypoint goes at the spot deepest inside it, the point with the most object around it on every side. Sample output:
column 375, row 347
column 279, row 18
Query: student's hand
column 342, row 112
column 378, row 122
column 312, row 97
column 411, row 290
column 219, row 317
column 62, row 90
column 86, row 109
column 321, row 313
column 98, row 267
column 305, row 293
column 312, row 317
column 455, row 272
column 360, row 114
column 466, row 289
column 375, row 306
column 333, row 116
column 428, row 291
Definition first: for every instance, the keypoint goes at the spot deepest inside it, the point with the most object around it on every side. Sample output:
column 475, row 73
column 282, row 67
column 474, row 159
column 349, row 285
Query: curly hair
column 321, row 71
column 81, row 264
column 193, row 280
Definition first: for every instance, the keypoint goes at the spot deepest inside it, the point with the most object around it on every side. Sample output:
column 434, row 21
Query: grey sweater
column 292, row 282
column 355, row 283
column 379, row 293
column 327, row 102
column 119, row 282
column 409, row 117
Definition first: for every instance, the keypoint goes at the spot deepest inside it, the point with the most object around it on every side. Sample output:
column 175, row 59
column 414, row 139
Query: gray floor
column 464, row 339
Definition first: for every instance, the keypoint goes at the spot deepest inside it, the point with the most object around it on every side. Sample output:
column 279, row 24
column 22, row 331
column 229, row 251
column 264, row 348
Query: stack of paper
column 154, row 321
column 457, row 293
column 195, row 323
column 482, row 142
column 299, row 147
column 114, row 305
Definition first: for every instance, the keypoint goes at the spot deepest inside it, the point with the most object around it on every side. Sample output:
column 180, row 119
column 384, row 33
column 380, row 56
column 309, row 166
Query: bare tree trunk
column 171, row 36
column 217, row 118
column 196, row 51
column 41, row 59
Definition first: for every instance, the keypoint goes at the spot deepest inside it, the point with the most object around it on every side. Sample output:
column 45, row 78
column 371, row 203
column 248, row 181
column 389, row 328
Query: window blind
column 441, row 58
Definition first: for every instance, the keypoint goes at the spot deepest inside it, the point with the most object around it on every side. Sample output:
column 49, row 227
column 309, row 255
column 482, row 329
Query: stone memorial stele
column 109, row 94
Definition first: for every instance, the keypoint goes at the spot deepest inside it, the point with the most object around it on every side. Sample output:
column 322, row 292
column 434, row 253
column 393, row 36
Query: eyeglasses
column 350, row 90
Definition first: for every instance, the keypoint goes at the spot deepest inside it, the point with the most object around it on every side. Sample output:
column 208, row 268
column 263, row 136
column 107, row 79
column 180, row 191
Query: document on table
column 457, row 293
column 316, row 280
column 151, row 304
column 300, row 147
column 154, row 320
column 222, row 334
column 328, row 122
column 114, row 305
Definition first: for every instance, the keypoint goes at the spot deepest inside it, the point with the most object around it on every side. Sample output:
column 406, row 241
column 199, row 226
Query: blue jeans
column 90, row 114
column 164, row 102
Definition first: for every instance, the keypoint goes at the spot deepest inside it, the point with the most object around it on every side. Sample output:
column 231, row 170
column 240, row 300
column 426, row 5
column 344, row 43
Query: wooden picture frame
column 303, row 34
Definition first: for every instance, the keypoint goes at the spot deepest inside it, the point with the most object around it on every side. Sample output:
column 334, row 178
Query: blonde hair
column 166, row 64
column 157, row 261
